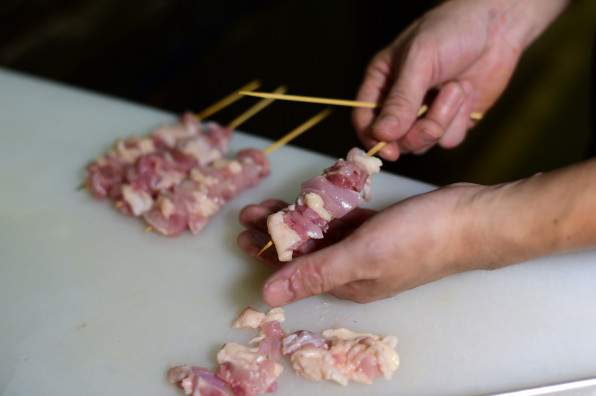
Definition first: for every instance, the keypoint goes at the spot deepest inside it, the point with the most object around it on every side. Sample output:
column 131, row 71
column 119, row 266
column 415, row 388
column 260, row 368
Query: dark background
column 184, row 55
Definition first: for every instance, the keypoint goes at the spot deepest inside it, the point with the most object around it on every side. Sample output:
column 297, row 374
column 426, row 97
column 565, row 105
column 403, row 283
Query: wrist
column 520, row 22
column 548, row 213
column 502, row 225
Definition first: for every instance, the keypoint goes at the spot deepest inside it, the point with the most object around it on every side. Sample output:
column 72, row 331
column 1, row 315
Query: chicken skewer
column 191, row 203
column 322, row 198
column 137, row 169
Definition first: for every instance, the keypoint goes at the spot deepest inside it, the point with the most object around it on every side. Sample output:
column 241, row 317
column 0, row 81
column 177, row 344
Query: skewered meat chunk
column 323, row 198
column 193, row 201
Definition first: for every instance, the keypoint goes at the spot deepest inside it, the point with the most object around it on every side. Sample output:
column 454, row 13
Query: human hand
column 370, row 255
column 458, row 59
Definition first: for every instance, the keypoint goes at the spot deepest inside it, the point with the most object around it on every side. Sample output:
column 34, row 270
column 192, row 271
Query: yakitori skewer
column 370, row 153
column 205, row 192
column 245, row 116
column 331, row 195
column 338, row 102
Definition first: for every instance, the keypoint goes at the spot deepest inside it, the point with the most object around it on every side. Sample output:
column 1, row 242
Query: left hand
column 368, row 255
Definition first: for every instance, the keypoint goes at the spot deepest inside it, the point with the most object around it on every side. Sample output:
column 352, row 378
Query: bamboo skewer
column 475, row 115
column 299, row 130
column 84, row 184
column 242, row 118
column 310, row 99
column 377, row 147
column 228, row 100
column 267, row 246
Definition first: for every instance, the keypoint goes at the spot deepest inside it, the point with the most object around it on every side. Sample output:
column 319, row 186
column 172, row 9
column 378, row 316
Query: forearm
column 545, row 214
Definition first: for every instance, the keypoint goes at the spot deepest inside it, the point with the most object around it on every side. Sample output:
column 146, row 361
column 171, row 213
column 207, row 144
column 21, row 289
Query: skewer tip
column 267, row 246
column 84, row 184
column 376, row 148
column 476, row 115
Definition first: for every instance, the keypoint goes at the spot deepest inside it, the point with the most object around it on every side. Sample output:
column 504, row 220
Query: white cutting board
column 90, row 304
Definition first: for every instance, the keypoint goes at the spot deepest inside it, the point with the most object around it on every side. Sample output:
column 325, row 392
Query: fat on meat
column 196, row 381
column 342, row 356
column 338, row 355
column 247, row 371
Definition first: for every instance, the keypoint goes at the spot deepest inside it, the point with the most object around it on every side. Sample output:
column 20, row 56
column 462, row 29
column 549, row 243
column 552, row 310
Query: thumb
column 403, row 101
column 310, row 275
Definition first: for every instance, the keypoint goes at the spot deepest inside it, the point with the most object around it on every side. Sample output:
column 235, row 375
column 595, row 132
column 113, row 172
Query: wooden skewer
column 242, row 118
column 338, row 102
column 310, row 99
column 84, row 184
column 296, row 132
column 228, row 100
column 267, row 246
column 376, row 148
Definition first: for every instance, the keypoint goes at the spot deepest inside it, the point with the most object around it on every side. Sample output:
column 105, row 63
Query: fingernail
column 455, row 97
column 427, row 137
column 467, row 87
column 278, row 292
column 386, row 123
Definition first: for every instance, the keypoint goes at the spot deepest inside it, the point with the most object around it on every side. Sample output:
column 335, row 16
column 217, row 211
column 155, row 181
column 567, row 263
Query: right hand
column 458, row 59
